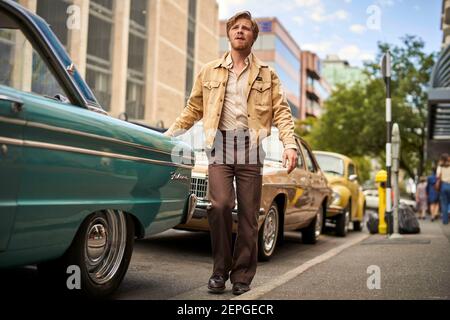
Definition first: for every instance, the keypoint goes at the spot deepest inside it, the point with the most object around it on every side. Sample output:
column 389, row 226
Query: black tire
column 357, row 226
column 342, row 221
column 268, row 234
column 312, row 232
column 110, row 261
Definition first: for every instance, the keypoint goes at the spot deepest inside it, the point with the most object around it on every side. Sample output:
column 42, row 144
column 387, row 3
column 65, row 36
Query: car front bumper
column 334, row 210
column 201, row 210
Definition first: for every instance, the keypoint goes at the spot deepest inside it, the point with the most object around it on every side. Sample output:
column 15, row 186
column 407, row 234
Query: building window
column 294, row 109
column 224, row 44
column 7, row 43
column 55, row 14
column 287, row 54
column 190, row 47
column 135, row 99
column 289, row 83
column 23, row 68
column 99, row 51
column 264, row 42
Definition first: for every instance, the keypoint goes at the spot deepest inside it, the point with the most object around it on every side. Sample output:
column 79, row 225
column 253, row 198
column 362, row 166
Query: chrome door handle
column 4, row 149
column 16, row 103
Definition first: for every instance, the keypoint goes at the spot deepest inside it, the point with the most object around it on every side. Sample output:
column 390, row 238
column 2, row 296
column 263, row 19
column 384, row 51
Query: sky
column 349, row 28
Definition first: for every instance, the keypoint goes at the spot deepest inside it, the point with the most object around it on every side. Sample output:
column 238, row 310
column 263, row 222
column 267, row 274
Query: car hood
column 333, row 179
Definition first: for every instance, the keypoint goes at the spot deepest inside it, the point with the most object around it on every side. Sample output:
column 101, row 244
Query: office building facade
column 445, row 23
column 337, row 71
column 140, row 57
column 314, row 89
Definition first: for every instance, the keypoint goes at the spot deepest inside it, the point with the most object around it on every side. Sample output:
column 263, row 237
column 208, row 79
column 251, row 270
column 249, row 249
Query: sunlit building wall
column 140, row 57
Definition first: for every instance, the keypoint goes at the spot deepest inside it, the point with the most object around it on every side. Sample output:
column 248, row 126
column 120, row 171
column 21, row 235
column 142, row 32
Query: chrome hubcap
column 319, row 221
column 97, row 240
column 347, row 219
column 270, row 230
column 105, row 245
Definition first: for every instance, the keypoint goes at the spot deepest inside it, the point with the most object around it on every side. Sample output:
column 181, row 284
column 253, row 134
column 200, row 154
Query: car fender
column 345, row 194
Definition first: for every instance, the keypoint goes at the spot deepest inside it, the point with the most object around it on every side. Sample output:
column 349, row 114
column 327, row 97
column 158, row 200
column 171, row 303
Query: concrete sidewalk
column 414, row 267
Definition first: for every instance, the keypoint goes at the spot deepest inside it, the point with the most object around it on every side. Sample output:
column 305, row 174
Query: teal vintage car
column 76, row 185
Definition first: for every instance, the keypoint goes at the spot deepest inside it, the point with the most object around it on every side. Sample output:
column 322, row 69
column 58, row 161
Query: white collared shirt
column 234, row 111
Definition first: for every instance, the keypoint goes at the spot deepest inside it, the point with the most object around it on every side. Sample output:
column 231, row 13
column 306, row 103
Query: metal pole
column 386, row 69
column 396, row 142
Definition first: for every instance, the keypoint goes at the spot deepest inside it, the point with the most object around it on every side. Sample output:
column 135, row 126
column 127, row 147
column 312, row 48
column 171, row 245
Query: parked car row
column 372, row 200
column 83, row 185
column 323, row 187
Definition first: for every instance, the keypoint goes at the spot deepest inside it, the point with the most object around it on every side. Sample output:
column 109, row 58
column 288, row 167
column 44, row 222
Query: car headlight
column 336, row 198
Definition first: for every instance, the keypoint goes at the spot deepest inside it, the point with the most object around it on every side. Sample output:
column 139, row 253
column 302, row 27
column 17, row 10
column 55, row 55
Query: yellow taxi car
column 349, row 202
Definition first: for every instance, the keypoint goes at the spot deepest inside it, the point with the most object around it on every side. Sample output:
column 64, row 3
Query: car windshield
column 330, row 164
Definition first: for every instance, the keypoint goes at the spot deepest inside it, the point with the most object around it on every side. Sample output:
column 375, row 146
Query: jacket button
column 223, row 83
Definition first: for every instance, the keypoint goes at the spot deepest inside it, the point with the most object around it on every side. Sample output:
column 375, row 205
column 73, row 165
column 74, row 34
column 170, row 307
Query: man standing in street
column 239, row 98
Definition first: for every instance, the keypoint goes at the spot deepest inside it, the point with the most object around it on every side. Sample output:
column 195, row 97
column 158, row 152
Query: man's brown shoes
column 216, row 284
column 240, row 288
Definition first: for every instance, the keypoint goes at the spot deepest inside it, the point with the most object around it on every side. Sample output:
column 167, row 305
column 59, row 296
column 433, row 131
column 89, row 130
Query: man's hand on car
column 290, row 159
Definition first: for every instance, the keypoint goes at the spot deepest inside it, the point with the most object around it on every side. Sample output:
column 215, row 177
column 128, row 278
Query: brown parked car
column 297, row 201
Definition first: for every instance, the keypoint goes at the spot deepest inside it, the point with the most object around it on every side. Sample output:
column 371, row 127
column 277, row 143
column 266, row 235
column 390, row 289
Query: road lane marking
column 260, row 291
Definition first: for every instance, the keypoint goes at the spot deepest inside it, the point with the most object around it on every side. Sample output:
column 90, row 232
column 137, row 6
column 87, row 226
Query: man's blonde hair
column 243, row 15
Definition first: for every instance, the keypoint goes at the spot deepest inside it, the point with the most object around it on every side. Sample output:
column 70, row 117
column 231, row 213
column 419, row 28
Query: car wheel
column 312, row 232
column 358, row 225
column 268, row 234
column 342, row 222
column 101, row 249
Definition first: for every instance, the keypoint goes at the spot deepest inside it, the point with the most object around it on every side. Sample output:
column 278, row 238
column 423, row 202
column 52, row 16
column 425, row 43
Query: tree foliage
column 354, row 122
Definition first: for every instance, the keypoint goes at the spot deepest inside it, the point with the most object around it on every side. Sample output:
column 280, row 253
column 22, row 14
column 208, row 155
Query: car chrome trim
column 192, row 203
column 83, row 134
column 10, row 99
column 57, row 147
column 281, row 185
column 13, row 121
column 91, row 107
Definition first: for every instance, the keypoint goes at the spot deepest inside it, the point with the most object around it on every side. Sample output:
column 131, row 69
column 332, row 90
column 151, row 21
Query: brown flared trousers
column 239, row 263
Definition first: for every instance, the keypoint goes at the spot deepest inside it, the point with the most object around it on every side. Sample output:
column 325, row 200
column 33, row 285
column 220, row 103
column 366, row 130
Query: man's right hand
column 290, row 159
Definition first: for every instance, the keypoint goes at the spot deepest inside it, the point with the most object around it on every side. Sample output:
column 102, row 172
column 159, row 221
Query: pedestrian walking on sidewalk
column 421, row 197
column 443, row 174
column 238, row 97
column 433, row 195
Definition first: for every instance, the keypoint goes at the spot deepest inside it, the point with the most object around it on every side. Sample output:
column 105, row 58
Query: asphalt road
column 176, row 265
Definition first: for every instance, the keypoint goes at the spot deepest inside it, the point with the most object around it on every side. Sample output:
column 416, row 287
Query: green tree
column 354, row 121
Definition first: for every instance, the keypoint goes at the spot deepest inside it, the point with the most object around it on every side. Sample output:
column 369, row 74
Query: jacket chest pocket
column 262, row 93
column 211, row 91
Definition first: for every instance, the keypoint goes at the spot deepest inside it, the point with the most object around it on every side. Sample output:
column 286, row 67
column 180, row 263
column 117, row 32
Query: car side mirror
column 353, row 177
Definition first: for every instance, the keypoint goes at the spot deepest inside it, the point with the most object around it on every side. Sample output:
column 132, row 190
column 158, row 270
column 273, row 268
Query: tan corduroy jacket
column 266, row 103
